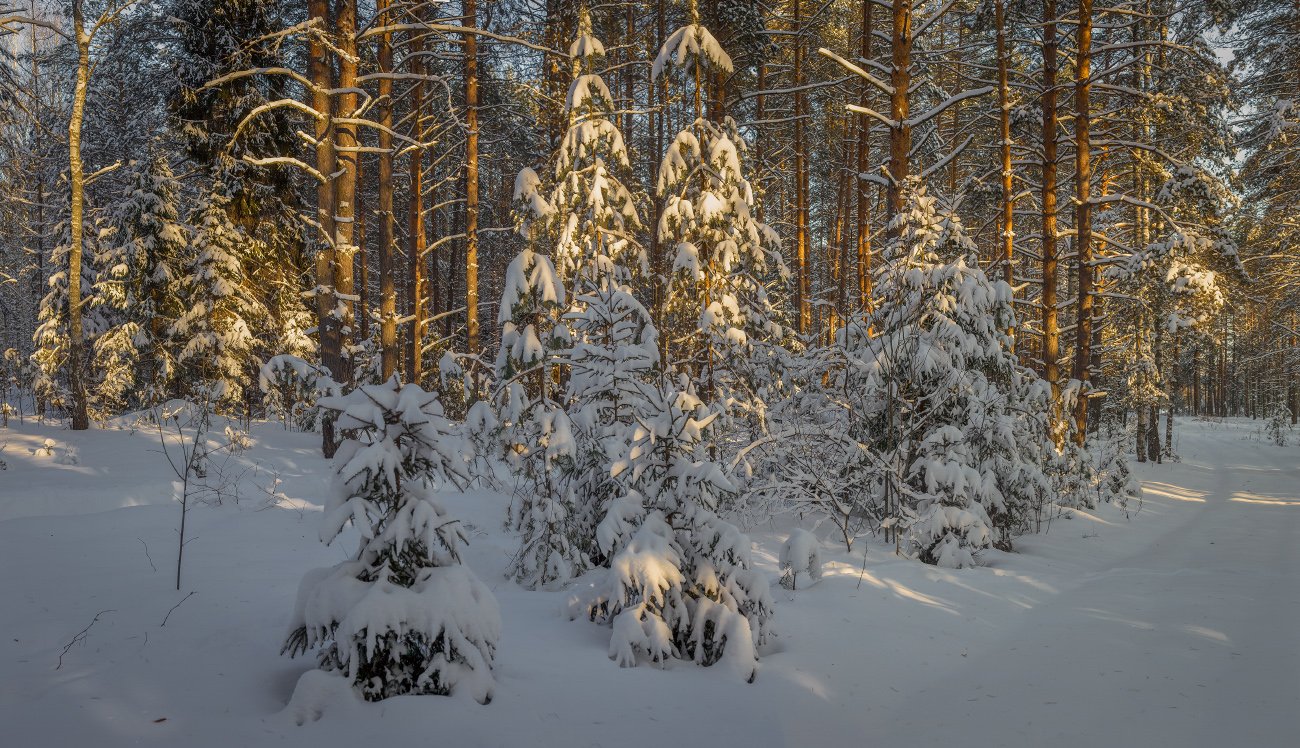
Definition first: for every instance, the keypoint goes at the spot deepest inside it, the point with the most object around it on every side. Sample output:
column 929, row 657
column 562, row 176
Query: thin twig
column 146, row 554
column 863, row 573
column 174, row 607
column 81, row 636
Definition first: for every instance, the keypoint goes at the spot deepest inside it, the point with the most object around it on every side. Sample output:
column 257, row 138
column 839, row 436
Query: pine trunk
column 863, row 190
column 387, row 286
column 804, row 300
column 471, row 180
column 415, row 248
column 322, row 78
column 345, row 147
column 900, row 134
column 1051, row 329
column 1007, row 233
column 1083, row 216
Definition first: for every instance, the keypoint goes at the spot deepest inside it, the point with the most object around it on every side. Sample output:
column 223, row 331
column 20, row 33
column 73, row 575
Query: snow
column 1175, row 626
column 688, row 44
column 800, row 554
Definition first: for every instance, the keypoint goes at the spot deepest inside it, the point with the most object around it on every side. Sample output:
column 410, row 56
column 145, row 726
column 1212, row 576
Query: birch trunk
column 77, row 180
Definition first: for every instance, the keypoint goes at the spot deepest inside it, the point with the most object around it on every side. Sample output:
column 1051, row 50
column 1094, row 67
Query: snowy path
column 1193, row 641
column 1179, row 627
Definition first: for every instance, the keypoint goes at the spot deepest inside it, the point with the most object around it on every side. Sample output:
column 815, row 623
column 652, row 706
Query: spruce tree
column 719, row 320
column 136, row 280
column 216, row 345
column 953, row 410
column 404, row 615
column 604, row 341
column 680, row 583
column 50, row 339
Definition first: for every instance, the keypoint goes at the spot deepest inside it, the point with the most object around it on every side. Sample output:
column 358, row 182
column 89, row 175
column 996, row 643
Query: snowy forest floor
column 1175, row 626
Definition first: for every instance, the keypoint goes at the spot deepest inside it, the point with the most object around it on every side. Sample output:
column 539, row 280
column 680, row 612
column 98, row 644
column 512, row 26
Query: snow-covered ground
column 1179, row 626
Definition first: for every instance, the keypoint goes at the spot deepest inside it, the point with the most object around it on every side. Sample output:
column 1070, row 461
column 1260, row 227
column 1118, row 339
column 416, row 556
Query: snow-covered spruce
column 718, row 320
column 550, row 550
column 680, row 585
column 135, row 285
column 955, row 399
column 291, row 387
column 937, row 431
column 403, row 616
column 214, row 332
column 559, row 440
column 590, row 216
column 531, row 302
column 611, row 365
column 50, row 339
column 531, row 425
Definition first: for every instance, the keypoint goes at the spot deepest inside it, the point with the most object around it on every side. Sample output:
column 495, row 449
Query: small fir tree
column 404, row 615
column 680, row 584
column 214, row 330
column 136, row 281
column 718, row 320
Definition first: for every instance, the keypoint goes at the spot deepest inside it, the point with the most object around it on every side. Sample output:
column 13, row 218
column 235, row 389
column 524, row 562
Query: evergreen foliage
column 403, row 615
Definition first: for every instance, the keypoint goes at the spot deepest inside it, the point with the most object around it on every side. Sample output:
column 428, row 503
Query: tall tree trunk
column 657, row 92
column 415, row 249
column 1143, row 416
column 1051, row 328
column 843, row 198
column 1196, row 381
column 362, row 266
column 346, row 149
column 1221, row 385
column 802, row 259
column 1158, row 350
column 900, row 79
column 1083, row 216
column 1173, row 390
column 77, row 179
column 321, row 74
column 863, row 190
column 1289, row 352
column 471, row 181
column 387, row 269
column 1007, row 230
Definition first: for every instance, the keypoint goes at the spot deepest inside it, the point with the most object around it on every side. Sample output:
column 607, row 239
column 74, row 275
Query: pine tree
column 534, row 427
column 550, row 551
column 531, row 333
column 404, row 615
column 957, row 402
column 611, row 364
column 605, row 339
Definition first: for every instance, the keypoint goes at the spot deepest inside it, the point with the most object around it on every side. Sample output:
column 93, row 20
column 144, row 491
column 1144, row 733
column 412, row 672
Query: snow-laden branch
column 249, row 72
column 875, row 179
column 9, row 22
column 932, row 18
column 887, row 122
column 453, row 28
column 941, row 108
column 856, row 70
column 286, row 161
column 946, row 159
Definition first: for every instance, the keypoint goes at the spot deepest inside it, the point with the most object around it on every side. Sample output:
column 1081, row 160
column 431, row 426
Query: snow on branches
column 403, row 615
column 680, row 583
